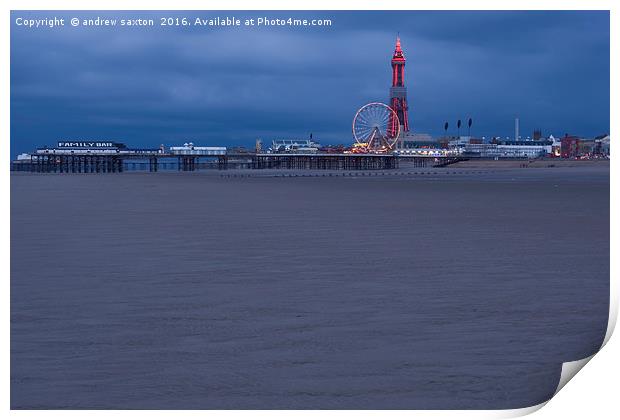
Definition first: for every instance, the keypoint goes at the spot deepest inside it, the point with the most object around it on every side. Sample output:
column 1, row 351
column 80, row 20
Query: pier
column 325, row 161
column 116, row 163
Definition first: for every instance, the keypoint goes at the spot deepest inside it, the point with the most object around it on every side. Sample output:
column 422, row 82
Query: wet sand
column 418, row 289
column 532, row 163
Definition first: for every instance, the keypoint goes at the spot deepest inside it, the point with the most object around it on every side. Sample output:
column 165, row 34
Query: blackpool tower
column 398, row 92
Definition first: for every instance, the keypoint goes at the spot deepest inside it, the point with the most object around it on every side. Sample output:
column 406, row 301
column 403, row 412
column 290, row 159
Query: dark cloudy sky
column 227, row 86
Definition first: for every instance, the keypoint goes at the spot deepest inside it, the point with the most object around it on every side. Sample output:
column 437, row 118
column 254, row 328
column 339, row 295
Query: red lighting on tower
column 398, row 91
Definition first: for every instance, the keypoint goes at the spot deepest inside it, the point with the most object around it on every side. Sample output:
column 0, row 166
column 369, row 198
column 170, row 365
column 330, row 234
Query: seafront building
column 190, row 149
column 509, row 149
column 294, row 146
column 408, row 141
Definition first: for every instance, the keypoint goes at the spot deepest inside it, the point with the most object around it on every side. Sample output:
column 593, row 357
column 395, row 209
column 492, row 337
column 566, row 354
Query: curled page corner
column 570, row 369
column 519, row 412
column 613, row 313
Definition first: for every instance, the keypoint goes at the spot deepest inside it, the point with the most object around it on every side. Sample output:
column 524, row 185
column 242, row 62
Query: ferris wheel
column 376, row 127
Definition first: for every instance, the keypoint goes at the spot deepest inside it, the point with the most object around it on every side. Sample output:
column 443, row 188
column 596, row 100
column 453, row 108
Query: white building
column 410, row 140
column 522, row 149
column 603, row 145
column 294, row 146
column 190, row 149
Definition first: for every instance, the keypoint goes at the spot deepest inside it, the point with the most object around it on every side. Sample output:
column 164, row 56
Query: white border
column 596, row 384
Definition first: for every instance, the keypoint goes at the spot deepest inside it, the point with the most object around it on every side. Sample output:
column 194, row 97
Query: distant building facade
column 190, row 149
column 294, row 146
column 508, row 149
column 409, row 141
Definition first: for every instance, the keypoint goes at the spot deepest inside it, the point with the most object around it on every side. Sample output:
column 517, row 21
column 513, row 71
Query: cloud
column 231, row 85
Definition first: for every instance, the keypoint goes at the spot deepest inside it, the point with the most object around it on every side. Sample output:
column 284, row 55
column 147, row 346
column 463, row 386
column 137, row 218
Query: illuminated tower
column 398, row 91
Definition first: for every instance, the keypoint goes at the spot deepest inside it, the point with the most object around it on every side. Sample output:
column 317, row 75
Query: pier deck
column 114, row 163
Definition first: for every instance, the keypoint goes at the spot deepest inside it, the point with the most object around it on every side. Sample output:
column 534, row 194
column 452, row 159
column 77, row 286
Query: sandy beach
column 459, row 287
